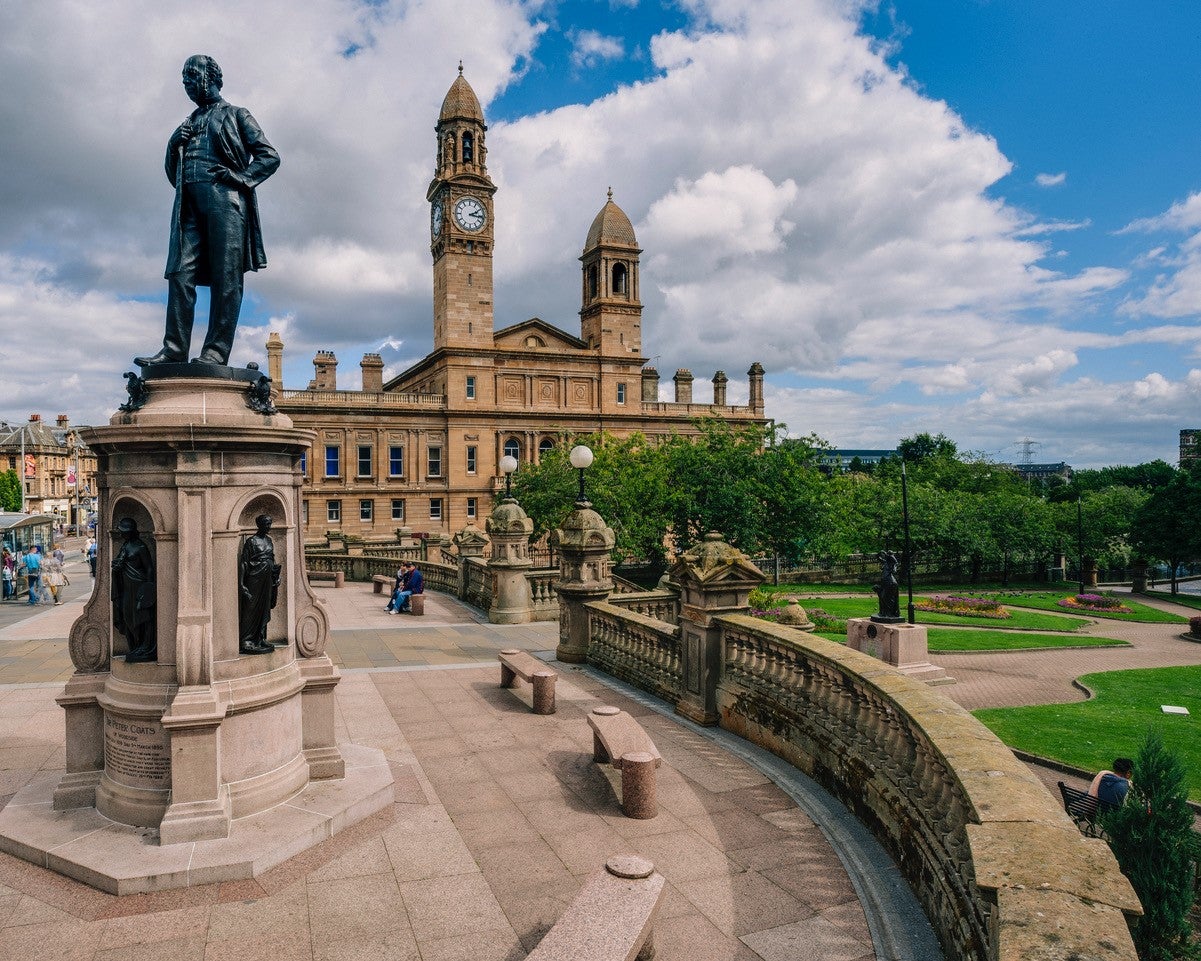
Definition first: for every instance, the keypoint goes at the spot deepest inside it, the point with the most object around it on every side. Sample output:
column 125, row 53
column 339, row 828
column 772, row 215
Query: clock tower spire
column 461, row 232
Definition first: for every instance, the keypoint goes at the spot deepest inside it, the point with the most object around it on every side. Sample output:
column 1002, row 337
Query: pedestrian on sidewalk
column 33, row 572
column 55, row 576
column 90, row 552
column 9, row 574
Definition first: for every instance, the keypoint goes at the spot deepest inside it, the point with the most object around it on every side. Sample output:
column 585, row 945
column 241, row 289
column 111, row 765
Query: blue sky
column 980, row 218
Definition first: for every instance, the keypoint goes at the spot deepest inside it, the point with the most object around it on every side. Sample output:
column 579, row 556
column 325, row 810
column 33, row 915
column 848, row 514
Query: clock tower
column 461, row 231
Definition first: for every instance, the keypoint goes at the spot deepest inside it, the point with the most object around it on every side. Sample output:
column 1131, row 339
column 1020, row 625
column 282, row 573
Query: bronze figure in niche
column 133, row 594
column 215, row 160
column 258, row 589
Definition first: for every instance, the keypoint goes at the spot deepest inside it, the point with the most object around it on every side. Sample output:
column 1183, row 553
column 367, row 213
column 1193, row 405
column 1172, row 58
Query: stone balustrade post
column 584, row 543
column 470, row 542
column 714, row 578
column 509, row 529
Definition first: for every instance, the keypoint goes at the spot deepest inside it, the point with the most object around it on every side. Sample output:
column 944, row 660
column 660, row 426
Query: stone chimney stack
column 35, row 418
column 756, row 384
column 275, row 360
column 63, row 421
column 372, row 366
column 650, row 385
column 326, row 366
column 719, row 388
column 683, row 380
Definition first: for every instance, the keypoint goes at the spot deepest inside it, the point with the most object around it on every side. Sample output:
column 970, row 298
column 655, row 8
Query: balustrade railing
column 543, row 596
column 478, row 587
column 660, row 605
column 638, row 649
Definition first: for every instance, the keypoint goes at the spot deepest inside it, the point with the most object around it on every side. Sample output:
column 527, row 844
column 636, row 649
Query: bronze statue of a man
column 215, row 160
column 133, row 594
column 258, row 589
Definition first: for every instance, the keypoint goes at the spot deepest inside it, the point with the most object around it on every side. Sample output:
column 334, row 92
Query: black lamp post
column 581, row 458
column 908, row 545
column 1080, row 541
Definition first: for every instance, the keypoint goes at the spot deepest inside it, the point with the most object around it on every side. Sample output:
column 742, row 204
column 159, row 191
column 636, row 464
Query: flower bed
column 963, row 606
column 1104, row 603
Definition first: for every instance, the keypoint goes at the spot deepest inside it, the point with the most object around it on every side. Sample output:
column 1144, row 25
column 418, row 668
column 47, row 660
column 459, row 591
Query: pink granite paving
column 499, row 816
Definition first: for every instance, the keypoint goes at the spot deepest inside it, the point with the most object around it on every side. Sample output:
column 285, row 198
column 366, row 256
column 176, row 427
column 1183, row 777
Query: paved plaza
column 500, row 814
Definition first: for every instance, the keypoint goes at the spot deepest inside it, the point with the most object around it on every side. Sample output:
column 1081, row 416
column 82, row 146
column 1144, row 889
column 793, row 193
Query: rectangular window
column 471, row 388
column 398, row 509
column 304, row 464
column 365, row 460
column 332, row 467
column 435, row 508
column 621, row 393
column 333, row 511
column 304, row 513
column 470, row 458
column 471, row 508
column 366, row 510
column 396, row 461
column 435, row 462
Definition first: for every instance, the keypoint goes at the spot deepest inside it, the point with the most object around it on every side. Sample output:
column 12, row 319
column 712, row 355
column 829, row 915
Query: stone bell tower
column 610, row 311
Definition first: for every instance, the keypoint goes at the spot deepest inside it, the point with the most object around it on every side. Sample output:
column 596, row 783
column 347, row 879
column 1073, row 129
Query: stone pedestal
column 510, row 529
column 584, row 543
column 904, row 646
column 1138, row 576
column 203, row 735
column 714, row 578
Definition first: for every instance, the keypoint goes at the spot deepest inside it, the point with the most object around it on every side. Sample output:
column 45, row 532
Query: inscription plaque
column 135, row 751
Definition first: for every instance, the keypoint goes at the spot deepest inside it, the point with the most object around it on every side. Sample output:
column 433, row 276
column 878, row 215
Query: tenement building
column 423, row 449
column 56, row 468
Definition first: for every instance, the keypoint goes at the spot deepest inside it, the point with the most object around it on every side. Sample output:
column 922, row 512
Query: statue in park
column 215, row 160
column 888, row 589
column 258, row 588
column 133, row 594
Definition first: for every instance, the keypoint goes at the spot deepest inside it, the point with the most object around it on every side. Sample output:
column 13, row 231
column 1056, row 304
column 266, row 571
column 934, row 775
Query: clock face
column 470, row 214
column 436, row 219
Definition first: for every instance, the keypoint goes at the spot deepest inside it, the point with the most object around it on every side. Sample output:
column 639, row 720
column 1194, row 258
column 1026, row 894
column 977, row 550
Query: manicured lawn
column 1049, row 601
column 1184, row 600
column 1090, row 734
column 960, row 639
column 1021, row 620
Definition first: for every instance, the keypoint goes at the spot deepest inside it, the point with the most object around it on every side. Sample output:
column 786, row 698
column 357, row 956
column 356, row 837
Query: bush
column 1194, row 626
column 1151, row 836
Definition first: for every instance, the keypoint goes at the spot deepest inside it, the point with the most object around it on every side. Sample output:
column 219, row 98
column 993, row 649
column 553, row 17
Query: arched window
column 468, row 148
column 593, row 280
column 513, row 449
column 619, row 278
column 545, row 446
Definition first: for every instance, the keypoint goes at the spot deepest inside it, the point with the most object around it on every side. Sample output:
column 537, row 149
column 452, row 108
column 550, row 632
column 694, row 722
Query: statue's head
column 263, row 523
column 127, row 527
column 202, row 79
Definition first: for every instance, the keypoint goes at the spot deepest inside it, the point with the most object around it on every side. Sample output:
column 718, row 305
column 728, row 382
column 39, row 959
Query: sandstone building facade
column 422, row 450
column 56, row 468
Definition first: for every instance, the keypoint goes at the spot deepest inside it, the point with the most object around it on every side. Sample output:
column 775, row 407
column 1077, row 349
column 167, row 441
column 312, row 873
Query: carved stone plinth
column 509, row 529
column 904, row 646
column 203, row 735
column 584, row 543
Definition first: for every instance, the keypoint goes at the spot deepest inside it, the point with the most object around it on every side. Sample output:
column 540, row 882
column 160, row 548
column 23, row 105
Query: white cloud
column 1051, row 180
column 589, row 48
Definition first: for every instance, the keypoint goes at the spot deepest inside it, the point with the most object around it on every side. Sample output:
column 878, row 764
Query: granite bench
column 378, row 582
column 337, row 578
column 620, row 740
column 515, row 664
column 612, row 917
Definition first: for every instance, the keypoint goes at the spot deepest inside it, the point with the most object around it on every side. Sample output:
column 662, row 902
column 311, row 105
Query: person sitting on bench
column 414, row 583
column 1111, row 786
column 402, row 577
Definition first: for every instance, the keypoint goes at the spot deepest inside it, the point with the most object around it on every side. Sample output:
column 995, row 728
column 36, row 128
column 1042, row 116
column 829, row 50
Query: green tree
column 1152, row 838
column 10, row 491
column 923, row 446
column 1163, row 528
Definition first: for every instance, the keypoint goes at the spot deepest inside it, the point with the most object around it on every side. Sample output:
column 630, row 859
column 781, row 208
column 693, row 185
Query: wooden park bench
column 1083, row 808
column 620, row 740
column 612, row 917
column 337, row 578
column 515, row 664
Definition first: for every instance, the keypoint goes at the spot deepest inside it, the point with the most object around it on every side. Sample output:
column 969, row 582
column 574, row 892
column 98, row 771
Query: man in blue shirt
column 414, row 584
column 33, row 572
column 1110, row 787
